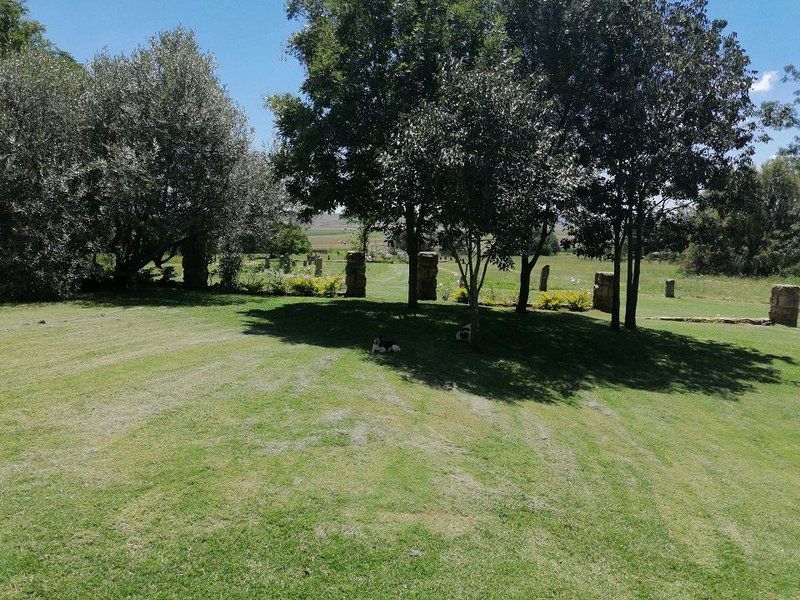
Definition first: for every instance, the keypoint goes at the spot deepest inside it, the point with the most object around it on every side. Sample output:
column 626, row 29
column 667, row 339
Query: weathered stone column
column 603, row 291
column 669, row 288
column 785, row 305
column 427, row 270
column 543, row 278
column 355, row 275
column 317, row 266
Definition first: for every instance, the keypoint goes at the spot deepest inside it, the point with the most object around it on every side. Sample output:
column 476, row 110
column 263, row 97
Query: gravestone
column 355, row 275
column 427, row 270
column 603, row 291
column 784, row 305
column 669, row 288
column 543, row 278
column 318, row 266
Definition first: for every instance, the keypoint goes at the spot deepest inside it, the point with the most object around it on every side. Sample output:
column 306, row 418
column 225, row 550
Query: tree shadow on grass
column 160, row 296
column 540, row 357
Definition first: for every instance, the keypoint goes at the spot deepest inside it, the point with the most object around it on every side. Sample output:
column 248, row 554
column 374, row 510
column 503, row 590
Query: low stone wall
column 603, row 291
column 427, row 270
column 355, row 273
column 785, row 305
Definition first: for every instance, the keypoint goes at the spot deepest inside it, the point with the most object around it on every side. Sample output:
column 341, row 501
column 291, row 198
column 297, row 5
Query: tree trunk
column 526, row 268
column 196, row 258
column 412, row 246
column 124, row 277
column 634, row 267
column 615, row 297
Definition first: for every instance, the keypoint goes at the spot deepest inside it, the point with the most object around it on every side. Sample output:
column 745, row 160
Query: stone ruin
column 784, row 305
column 543, row 278
column 427, row 270
column 355, row 275
column 603, row 291
column 669, row 288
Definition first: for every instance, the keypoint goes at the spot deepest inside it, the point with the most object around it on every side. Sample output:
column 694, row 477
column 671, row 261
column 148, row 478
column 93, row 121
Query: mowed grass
column 171, row 445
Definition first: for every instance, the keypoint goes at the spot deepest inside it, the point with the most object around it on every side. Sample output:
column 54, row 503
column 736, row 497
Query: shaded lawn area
column 539, row 356
column 174, row 445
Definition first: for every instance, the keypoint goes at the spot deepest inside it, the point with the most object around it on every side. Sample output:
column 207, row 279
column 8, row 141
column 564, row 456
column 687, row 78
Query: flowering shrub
column 461, row 296
column 564, row 299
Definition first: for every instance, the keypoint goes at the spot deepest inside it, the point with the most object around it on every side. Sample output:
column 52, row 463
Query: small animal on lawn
column 381, row 345
column 465, row 333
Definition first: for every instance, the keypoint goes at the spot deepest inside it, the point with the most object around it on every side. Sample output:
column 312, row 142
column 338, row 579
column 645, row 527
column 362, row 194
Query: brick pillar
column 356, row 275
column 784, row 305
column 603, row 291
column 543, row 278
column 669, row 288
column 427, row 270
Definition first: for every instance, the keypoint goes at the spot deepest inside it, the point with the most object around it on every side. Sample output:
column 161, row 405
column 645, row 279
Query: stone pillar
column 318, row 266
column 543, row 278
column 669, row 288
column 784, row 305
column 603, row 291
column 427, row 270
column 355, row 273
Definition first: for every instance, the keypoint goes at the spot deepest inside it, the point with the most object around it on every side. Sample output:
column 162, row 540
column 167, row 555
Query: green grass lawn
column 171, row 445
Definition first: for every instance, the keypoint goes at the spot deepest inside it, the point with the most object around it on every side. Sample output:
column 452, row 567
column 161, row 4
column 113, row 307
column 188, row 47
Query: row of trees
column 139, row 156
column 485, row 122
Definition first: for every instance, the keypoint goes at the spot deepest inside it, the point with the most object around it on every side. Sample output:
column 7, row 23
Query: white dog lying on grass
column 381, row 346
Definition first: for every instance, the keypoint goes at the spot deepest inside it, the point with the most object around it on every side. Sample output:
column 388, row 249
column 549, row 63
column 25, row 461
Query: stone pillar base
column 355, row 275
column 603, row 291
column 427, row 270
column 785, row 305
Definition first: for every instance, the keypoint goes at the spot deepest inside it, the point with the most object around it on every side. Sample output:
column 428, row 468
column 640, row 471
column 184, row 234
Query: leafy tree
column 666, row 115
column 18, row 34
column 256, row 207
column 785, row 115
column 750, row 227
column 46, row 209
column 168, row 138
column 290, row 239
column 369, row 63
column 479, row 148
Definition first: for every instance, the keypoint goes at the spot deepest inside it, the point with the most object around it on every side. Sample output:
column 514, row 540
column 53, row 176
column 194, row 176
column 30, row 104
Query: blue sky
column 248, row 38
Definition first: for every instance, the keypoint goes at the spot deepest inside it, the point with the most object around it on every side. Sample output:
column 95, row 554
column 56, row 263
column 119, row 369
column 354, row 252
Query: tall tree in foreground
column 168, row 137
column 369, row 63
column 668, row 114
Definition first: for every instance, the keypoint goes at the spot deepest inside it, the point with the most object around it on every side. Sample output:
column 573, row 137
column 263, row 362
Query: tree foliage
column 484, row 149
column 369, row 64
column 47, row 210
column 752, row 226
column 167, row 138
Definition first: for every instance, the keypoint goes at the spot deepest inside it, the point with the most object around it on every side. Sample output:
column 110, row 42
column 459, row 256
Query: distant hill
column 329, row 221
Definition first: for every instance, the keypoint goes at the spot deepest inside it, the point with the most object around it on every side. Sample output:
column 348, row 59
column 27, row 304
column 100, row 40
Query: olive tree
column 167, row 138
column 46, row 208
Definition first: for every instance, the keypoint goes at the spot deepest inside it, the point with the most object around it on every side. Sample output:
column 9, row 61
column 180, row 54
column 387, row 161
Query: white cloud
column 765, row 83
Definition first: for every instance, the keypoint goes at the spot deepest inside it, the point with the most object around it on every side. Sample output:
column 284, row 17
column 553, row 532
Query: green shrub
column 328, row 286
column 301, row 285
column 564, row 300
column 230, row 264
column 461, row 296
column 252, row 281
